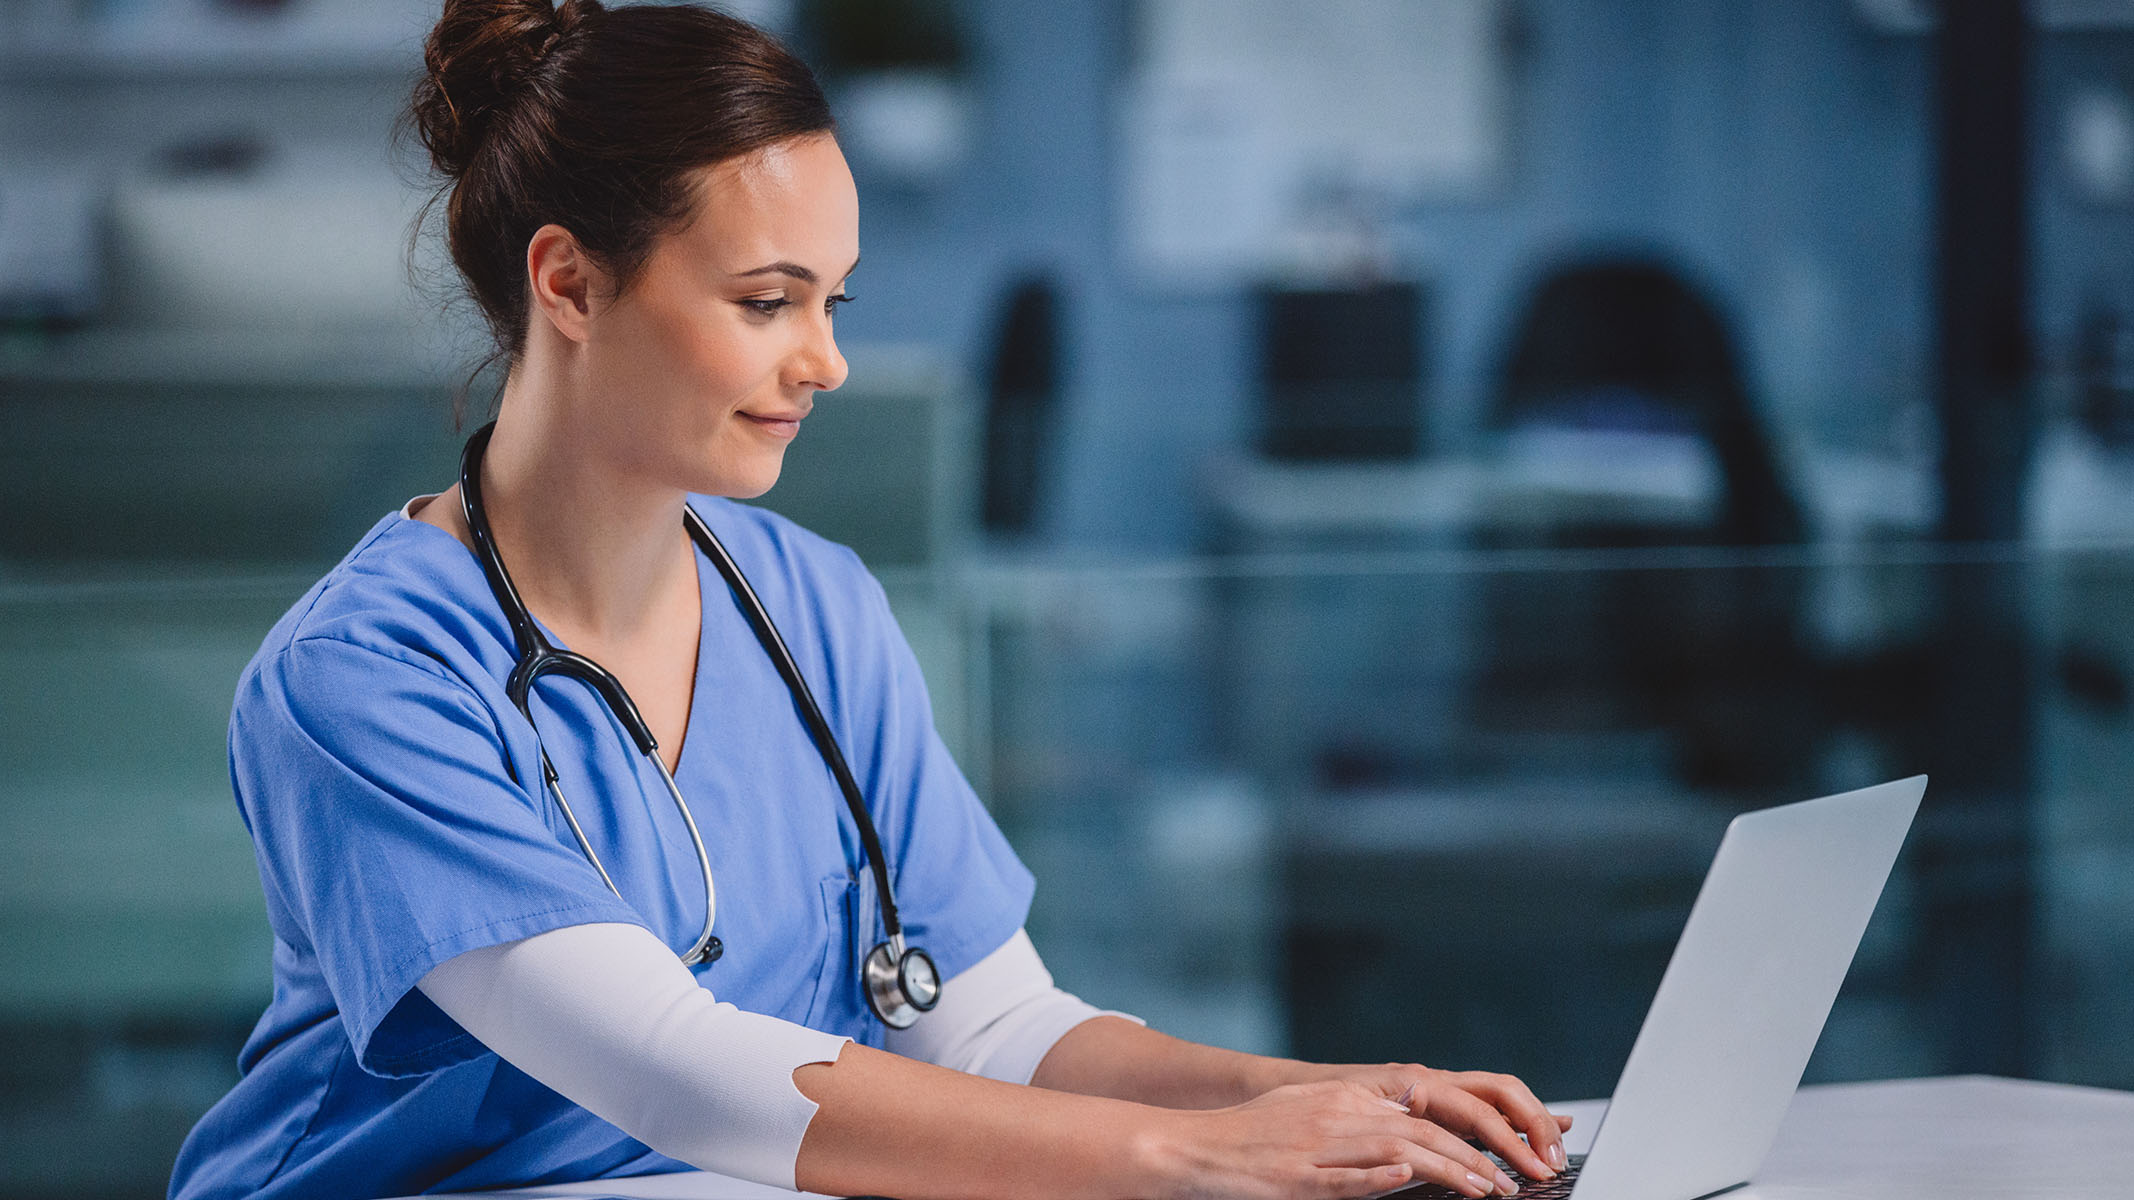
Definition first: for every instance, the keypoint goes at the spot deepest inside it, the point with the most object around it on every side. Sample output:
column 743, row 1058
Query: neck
column 593, row 549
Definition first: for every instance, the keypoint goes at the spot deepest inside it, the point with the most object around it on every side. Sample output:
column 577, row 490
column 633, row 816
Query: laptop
column 1743, row 1001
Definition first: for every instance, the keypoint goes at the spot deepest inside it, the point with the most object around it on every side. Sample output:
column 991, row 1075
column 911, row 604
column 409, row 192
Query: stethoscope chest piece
column 901, row 984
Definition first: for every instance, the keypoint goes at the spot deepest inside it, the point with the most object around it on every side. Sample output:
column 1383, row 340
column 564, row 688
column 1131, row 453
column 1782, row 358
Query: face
column 712, row 357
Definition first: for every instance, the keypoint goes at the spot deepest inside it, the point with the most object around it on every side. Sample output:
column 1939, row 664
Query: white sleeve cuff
column 999, row 1018
column 607, row 1016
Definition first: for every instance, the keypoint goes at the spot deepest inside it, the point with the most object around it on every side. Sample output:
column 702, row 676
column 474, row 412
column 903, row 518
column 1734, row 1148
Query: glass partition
column 1450, row 806
column 1454, row 806
column 133, row 937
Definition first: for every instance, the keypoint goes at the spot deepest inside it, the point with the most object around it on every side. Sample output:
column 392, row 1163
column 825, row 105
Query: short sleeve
column 394, row 836
column 961, row 891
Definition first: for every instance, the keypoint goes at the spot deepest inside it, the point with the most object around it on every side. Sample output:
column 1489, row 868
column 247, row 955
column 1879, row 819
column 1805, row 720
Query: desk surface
column 1951, row 1139
column 1964, row 1138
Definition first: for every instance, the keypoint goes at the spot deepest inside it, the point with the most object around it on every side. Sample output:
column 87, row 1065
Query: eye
column 829, row 305
column 765, row 307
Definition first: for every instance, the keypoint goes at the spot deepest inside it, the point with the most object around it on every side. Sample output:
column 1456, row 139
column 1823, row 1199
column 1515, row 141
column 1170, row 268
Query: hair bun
column 476, row 60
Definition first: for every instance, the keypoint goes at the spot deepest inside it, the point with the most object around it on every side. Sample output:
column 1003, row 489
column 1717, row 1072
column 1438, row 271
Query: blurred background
column 1375, row 486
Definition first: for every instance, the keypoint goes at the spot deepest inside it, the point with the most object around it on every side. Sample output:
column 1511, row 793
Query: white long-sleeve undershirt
column 997, row 1019
column 608, row 1017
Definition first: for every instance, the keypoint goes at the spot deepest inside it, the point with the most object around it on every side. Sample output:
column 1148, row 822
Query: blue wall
column 1780, row 153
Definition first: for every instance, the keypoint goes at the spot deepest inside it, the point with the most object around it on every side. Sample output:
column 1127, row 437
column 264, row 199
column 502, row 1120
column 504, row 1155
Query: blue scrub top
column 393, row 795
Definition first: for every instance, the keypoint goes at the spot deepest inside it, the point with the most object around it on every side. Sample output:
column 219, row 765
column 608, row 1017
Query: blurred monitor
column 1342, row 372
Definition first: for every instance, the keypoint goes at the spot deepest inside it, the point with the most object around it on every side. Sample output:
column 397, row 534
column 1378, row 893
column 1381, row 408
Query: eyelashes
column 769, row 307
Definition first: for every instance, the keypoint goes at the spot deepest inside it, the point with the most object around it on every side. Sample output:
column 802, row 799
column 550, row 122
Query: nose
column 817, row 364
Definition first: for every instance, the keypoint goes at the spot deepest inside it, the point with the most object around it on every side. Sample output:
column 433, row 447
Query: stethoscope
column 900, row 983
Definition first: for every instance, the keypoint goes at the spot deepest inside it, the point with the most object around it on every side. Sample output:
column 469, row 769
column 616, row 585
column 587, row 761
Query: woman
column 477, row 983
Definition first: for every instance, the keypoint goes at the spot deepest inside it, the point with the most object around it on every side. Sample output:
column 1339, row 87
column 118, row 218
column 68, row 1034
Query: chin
column 747, row 485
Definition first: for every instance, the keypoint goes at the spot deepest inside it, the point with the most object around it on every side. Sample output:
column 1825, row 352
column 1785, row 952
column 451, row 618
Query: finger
column 1362, row 1100
column 1339, row 1183
column 1441, row 1141
column 1511, row 1097
column 1390, row 1136
column 1433, row 1140
column 1460, row 1177
column 1518, row 1102
column 1462, row 1110
column 1428, row 1166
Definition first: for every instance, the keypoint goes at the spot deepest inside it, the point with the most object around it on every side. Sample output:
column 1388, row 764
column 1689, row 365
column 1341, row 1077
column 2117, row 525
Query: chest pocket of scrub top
column 838, row 1006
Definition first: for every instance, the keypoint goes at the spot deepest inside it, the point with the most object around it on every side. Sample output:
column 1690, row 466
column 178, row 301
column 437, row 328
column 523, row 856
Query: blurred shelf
column 226, row 49
column 1531, row 480
column 364, row 357
column 269, row 450
column 82, row 64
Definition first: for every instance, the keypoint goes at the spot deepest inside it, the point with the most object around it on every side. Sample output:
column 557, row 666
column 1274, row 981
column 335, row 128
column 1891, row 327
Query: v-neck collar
column 709, row 583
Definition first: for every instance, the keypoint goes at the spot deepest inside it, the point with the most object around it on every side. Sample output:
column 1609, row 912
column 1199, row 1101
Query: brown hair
column 589, row 118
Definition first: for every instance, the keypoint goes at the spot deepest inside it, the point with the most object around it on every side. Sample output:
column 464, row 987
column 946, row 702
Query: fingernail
column 1556, row 1156
column 1407, row 1096
column 1476, row 1181
column 1399, row 1108
column 1505, row 1184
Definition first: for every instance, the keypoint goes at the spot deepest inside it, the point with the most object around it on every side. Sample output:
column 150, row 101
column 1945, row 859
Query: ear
column 562, row 280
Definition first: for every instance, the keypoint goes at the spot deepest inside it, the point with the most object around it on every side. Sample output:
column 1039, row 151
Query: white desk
column 1964, row 1138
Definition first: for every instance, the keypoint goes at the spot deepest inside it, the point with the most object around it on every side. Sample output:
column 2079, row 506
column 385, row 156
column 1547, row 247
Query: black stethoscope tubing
column 900, row 983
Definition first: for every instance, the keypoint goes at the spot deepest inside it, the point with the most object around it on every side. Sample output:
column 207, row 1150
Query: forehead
column 790, row 201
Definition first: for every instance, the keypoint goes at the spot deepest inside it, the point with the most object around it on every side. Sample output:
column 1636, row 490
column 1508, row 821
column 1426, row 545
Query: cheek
column 695, row 357
column 725, row 358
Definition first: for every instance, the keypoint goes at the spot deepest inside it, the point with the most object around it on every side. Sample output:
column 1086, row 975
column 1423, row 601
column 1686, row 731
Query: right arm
column 896, row 1126
column 606, row 1016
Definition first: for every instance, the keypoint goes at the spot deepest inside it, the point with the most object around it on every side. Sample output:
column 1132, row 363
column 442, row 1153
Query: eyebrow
column 794, row 269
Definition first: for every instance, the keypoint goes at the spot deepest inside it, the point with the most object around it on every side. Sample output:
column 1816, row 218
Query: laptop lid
column 1745, row 995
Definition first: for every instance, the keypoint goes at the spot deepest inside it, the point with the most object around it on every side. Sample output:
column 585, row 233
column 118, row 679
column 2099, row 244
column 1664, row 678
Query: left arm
column 1004, row 1018
column 1107, row 1056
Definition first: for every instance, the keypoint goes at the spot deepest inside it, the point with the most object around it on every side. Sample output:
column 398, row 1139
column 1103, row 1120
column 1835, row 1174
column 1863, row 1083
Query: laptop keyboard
column 1529, row 1189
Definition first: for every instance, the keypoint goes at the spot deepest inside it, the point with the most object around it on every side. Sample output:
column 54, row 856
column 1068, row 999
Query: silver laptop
column 1744, row 999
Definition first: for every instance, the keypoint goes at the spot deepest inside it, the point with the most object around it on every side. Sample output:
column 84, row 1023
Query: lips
column 783, row 425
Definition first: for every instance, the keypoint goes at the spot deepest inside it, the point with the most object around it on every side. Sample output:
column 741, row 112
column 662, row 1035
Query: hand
column 1493, row 1109
column 1314, row 1141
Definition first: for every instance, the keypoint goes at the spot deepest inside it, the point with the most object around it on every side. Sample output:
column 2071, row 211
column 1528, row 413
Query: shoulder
column 805, row 569
column 407, row 592
column 771, row 537
column 828, row 607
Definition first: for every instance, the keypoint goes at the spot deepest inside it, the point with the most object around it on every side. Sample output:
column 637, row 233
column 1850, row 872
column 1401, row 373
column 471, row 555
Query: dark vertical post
column 1973, row 845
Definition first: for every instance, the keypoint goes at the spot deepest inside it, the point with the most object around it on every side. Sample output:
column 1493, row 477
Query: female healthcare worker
column 478, row 984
